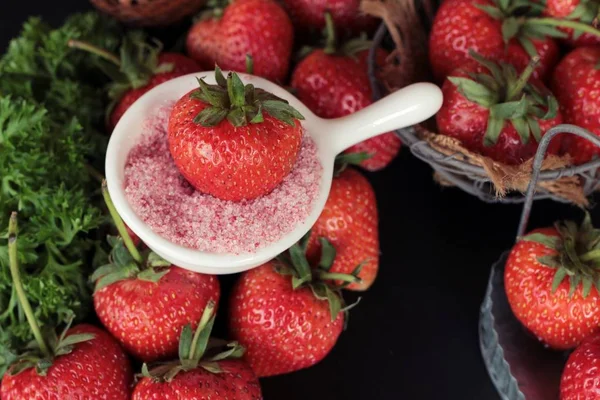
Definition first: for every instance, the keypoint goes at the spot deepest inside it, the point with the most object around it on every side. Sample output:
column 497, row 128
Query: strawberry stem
column 120, row 225
column 249, row 64
column 18, row 285
column 330, row 39
column 565, row 24
column 90, row 48
column 514, row 92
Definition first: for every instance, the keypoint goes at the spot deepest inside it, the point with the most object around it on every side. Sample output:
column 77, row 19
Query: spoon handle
column 405, row 107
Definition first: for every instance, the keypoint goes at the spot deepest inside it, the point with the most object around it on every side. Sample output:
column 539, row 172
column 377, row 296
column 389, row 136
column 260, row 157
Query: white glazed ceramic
column 403, row 108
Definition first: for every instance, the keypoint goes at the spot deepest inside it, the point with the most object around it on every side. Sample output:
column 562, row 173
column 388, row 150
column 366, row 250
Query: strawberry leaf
column 185, row 343
column 328, row 254
column 522, row 128
column 335, row 304
column 210, row 116
column 559, row 276
column 282, row 111
column 535, row 129
column 510, row 28
column 552, row 242
column 236, row 90
column 474, row 91
column 152, row 275
column 493, row 130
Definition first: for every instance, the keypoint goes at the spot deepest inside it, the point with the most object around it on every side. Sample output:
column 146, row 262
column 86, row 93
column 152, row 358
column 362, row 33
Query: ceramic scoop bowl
column 400, row 109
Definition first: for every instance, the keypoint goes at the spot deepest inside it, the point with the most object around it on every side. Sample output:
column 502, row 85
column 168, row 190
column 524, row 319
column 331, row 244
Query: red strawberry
column 349, row 221
column 140, row 68
column 181, row 65
column 259, row 28
column 285, row 315
column 235, row 146
column 83, row 363
column 147, row 317
column 581, row 376
column 144, row 302
column 200, row 373
column 309, row 15
column 95, row 368
column 483, row 26
column 576, row 84
column 551, row 292
column 496, row 114
column 585, row 11
column 335, row 83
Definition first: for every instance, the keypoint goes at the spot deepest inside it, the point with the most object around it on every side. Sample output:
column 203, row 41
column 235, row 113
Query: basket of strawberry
column 509, row 71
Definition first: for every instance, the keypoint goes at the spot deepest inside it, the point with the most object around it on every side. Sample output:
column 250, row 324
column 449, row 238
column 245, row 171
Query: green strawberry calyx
column 331, row 46
column 343, row 160
column 577, row 256
column 240, row 104
column 196, row 350
column 135, row 65
column 125, row 260
column 509, row 98
column 46, row 345
column 320, row 279
column 521, row 21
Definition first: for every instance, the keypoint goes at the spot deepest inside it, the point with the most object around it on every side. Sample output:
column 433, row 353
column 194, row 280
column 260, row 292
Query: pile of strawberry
column 153, row 339
column 497, row 59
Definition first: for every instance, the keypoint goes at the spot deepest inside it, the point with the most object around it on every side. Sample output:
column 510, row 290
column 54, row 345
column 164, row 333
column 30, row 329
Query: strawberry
column 259, row 28
column 88, row 365
column 287, row 315
column 495, row 113
column 549, row 279
column 82, row 363
column 585, row 11
column 334, row 82
column 200, row 372
column 309, row 15
column 576, row 83
column 235, row 144
column 145, row 302
column 349, row 221
column 581, row 376
column 141, row 67
column 500, row 30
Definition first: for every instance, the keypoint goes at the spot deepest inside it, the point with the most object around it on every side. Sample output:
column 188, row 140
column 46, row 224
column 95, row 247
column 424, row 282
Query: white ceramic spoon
column 400, row 109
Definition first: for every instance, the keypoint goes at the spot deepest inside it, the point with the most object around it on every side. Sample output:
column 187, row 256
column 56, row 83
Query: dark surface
column 414, row 335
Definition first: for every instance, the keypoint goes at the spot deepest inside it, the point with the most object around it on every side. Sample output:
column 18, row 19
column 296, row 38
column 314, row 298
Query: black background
column 414, row 335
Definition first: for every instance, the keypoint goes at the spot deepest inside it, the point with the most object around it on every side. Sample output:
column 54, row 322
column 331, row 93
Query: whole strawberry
column 496, row 113
column 237, row 143
column 334, row 82
column 576, row 84
column 349, row 221
column 201, row 373
column 585, row 11
column 581, row 376
column 88, row 365
column 551, row 280
column 83, row 363
column 499, row 30
column 309, row 15
column 140, row 67
column 145, row 302
column 259, row 28
column 287, row 316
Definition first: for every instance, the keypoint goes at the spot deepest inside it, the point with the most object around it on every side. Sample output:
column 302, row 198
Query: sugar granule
column 172, row 208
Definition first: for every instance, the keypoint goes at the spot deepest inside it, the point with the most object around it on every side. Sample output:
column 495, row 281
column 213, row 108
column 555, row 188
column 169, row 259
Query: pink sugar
column 172, row 208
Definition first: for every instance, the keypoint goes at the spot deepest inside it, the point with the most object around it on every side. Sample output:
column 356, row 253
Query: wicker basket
column 568, row 184
column 149, row 12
